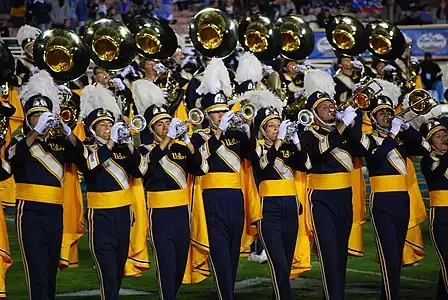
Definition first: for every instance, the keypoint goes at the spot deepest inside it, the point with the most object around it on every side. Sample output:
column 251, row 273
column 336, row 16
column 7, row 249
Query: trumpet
column 138, row 123
column 195, row 117
column 304, row 118
column 247, row 113
column 362, row 97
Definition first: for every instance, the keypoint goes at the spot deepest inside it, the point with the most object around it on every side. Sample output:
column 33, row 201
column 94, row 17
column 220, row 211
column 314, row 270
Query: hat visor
column 37, row 109
column 217, row 108
column 159, row 117
column 380, row 107
column 104, row 118
column 435, row 130
column 268, row 118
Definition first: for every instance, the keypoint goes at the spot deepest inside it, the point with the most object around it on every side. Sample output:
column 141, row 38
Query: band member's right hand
column 165, row 92
column 129, row 69
column 397, row 123
column 44, row 122
column 267, row 70
column 172, row 129
column 298, row 93
column 226, row 120
column 64, row 88
column 35, row 70
column 389, row 68
column 66, row 128
column 119, row 83
column 114, row 132
column 283, row 130
column 349, row 116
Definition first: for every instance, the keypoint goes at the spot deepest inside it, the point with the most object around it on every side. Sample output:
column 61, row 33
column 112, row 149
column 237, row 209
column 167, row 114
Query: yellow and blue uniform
column 280, row 209
column 223, row 202
column 39, row 173
column 167, row 185
column 434, row 167
column 389, row 201
column 5, row 255
column 107, row 176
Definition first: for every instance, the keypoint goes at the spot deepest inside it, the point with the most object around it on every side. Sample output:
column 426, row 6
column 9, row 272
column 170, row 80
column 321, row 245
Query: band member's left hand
column 283, row 130
column 64, row 88
column 397, row 123
column 298, row 93
column 349, row 116
column 129, row 69
column 172, row 129
column 119, row 83
column 66, row 128
column 186, row 138
column 226, row 120
column 114, row 132
column 295, row 139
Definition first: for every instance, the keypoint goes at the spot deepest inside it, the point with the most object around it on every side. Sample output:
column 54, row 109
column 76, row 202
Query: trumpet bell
column 195, row 116
column 297, row 38
column 154, row 39
column 248, row 111
column 305, row 117
column 259, row 35
column 62, row 53
column 346, row 35
column 138, row 123
column 111, row 44
column 385, row 40
column 213, row 33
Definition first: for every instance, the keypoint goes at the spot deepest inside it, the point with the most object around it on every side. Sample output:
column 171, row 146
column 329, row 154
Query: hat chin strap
column 378, row 127
column 211, row 124
column 100, row 140
column 326, row 124
column 266, row 138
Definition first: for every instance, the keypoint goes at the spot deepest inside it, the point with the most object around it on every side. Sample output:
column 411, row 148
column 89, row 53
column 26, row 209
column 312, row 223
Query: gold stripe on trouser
column 19, row 215
column 271, row 263
column 156, row 255
column 215, row 277
column 91, row 213
column 432, row 217
column 319, row 253
column 380, row 251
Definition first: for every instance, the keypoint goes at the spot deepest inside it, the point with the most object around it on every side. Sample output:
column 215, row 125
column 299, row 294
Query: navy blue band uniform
column 434, row 167
column 223, row 202
column 389, row 201
column 166, row 183
column 280, row 209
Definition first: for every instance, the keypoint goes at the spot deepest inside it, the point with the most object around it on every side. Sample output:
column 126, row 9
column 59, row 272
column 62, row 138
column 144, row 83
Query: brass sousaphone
column 111, row 44
column 385, row 40
column 346, row 35
column 213, row 33
column 260, row 36
column 296, row 38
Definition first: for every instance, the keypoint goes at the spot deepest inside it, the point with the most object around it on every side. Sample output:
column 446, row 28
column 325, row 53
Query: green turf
column 358, row 286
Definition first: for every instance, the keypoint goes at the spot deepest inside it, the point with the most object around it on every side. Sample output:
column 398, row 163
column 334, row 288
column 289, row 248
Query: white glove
column 186, row 138
column 414, row 59
column 226, row 120
column 389, row 68
column 114, row 132
column 172, row 129
column 267, row 70
column 35, row 70
column 349, row 116
column 283, row 130
column 339, row 115
column 355, row 86
column 302, row 68
column 129, row 69
column 160, row 68
column 164, row 92
column 397, row 123
column 298, row 93
column 44, row 121
column 295, row 139
column 308, row 63
column 63, row 88
column 66, row 128
column 357, row 64
column 119, row 83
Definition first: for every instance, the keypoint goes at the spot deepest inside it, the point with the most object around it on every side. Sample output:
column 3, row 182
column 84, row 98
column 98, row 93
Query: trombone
column 420, row 102
column 362, row 97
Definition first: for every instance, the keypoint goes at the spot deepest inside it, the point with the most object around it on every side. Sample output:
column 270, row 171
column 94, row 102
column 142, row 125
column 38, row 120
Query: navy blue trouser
column 278, row 232
column 438, row 231
column 224, row 213
column 170, row 239
column 109, row 231
column 390, row 218
column 39, row 231
column 332, row 216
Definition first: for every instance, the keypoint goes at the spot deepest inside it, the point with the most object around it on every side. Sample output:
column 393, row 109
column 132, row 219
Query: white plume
column 249, row 68
column 146, row 94
column 436, row 112
column 180, row 41
column 317, row 80
column 27, row 32
column 263, row 98
column 41, row 83
column 97, row 96
column 390, row 90
column 216, row 78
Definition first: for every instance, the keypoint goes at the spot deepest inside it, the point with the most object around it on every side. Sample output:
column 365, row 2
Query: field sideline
column 363, row 280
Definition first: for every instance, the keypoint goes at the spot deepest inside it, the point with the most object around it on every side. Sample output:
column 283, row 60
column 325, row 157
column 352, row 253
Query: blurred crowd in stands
column 75, row 14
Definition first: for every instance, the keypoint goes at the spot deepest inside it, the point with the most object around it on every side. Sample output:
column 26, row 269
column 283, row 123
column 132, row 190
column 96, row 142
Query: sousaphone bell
column 346, row 35
column 62, row 53
column 385, row 40
column 111, row 44
column 260, row 36
column 154, row 39
column 296, row 38
column 213, row 33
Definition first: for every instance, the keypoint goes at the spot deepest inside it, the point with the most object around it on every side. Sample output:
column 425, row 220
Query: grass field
column 363, row 280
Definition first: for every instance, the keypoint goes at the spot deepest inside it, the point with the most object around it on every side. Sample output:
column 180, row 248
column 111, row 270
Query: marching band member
column 329, row 180
column 226, row 207
column 5, row 173
column 121, row 93
column 109, row 161
column 26, row 66
column 292, row 81
column 344, row 78
column 387, row 149
column 166, row 181
column 38, row 168
column 434, row 167
column 276, row 160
